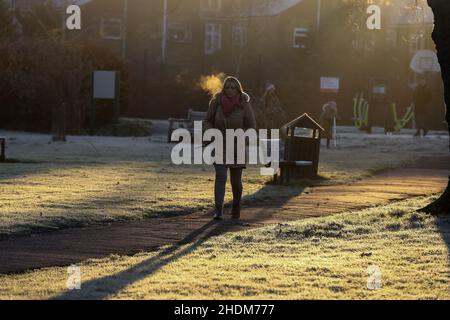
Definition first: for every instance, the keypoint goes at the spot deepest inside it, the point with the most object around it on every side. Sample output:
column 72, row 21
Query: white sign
column 104, row 84
column 380, row 89
column 329, row 84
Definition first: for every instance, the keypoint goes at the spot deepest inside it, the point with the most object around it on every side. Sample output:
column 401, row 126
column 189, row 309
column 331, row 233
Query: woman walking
column 229, row 109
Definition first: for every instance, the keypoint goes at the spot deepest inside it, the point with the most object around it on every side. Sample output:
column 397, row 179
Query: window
column 371, row 44
column 211, row 5
column 213, row 37
column 416, row 43
column 240, row 37
column 111, row 29
column 391, row 38
column 179, row 32
column 300, row 37
column 355, row 44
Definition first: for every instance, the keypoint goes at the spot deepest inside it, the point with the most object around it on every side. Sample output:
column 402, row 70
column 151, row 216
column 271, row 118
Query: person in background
column 269, row 111
column 421, row 99
column 329, row 114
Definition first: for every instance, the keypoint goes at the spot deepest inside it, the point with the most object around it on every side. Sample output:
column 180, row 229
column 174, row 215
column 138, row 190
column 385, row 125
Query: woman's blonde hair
column 236, row 82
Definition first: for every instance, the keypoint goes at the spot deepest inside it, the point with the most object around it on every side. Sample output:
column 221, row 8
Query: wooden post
column 3, row 156
column 92, row 108
column 288, row 170
column 116, row 104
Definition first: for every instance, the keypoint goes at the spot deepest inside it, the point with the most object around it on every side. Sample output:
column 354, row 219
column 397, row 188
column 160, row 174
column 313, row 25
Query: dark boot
column 236, row 211
column 218, row 213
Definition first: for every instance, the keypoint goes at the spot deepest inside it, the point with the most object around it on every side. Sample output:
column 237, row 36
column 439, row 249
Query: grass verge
column 321, row 258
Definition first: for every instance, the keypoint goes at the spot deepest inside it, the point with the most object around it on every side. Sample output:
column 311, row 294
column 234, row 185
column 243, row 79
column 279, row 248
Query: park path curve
column 65, row 247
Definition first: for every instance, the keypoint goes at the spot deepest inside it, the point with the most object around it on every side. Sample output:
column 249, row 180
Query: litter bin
column 301, row 149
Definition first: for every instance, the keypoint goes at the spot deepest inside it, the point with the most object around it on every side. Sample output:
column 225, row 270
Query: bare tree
column 241, row 28
column 6, row 21
column 441, row 36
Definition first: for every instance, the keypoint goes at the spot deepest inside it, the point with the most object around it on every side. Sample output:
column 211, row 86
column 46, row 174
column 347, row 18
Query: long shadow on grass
column 443, row 224
column 104, row 287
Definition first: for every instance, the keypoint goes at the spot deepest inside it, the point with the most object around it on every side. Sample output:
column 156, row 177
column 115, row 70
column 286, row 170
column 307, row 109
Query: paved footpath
column 69, row 246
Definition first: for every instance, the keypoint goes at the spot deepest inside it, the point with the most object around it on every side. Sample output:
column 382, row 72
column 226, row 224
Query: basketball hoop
column 425, row 61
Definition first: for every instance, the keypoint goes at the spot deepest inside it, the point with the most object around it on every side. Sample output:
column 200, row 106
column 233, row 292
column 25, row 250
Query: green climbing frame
column 402, row 122
column 360, row 111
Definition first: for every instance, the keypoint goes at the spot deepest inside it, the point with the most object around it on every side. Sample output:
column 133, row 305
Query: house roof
column 257, row 8
column 56, row 3
column 304, row 121
column 402, row 14
column 252, row 8
column 61, row 3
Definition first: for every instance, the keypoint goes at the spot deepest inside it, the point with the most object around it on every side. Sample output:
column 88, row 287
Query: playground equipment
column 402, row 122
column 361, row 114
column 360, row 111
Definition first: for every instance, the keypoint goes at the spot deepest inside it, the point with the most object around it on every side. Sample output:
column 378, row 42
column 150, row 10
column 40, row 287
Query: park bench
column 188, row 123
column 2, row 149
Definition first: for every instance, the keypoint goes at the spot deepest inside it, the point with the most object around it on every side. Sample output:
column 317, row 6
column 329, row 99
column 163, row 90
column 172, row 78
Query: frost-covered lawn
column 322, row 258
column 88, row 180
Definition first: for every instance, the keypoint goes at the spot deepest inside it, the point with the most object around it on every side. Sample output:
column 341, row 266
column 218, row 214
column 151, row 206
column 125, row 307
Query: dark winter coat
column 241, row 118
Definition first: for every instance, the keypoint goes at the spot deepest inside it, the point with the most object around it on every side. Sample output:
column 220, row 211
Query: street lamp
column 164, row 33
column 124, row 31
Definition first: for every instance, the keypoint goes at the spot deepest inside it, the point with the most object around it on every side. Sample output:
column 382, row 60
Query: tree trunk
column 441, row 36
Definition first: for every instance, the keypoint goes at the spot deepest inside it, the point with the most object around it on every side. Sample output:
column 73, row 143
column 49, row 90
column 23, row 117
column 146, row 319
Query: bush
column 39, row 74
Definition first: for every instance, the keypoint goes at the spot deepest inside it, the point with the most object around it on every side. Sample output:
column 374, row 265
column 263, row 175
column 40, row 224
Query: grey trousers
column 220, row 184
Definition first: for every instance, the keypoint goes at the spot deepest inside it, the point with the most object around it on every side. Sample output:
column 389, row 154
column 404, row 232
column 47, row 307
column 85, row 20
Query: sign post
column 106, row 86
column 329, row 84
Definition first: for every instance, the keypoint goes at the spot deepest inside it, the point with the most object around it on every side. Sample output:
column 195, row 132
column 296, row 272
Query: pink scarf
column 230, row 104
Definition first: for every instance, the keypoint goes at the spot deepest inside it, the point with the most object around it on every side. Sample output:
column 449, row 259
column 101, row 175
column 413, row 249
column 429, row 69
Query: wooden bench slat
column 284, row 163
column 296, row 163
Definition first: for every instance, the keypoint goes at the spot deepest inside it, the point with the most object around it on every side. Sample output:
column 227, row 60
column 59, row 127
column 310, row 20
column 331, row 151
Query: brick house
column 169, row 44
column 256, row 40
